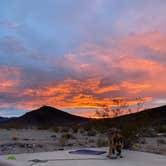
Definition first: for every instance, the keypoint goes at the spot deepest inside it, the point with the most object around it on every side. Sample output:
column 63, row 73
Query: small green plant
column 11, row 158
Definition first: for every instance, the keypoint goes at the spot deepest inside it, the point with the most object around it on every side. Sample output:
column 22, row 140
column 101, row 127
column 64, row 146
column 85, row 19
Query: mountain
column 3, row 119
column 49, row 117
column 45, row 116
column 153, row 117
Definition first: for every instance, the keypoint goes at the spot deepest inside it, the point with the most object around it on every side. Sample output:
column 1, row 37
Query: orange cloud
column 9, row 78
column 122, row 68
column 135, row 88
column 107, row 89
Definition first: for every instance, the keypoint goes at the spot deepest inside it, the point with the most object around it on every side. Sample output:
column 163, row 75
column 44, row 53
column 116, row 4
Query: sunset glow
column 82, row 55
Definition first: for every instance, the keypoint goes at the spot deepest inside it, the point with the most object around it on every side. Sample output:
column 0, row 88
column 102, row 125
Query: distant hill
column 132, row 124
column 45, row 116
column 3, row 118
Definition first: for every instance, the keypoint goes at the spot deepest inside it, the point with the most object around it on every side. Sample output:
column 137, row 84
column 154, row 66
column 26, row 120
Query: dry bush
column 91, row 141
column 15, row 138
column 53, row 136
column 161, row 129
column 75, row 129
column 55, row 129
column 67, row 136
column 161, row 141
column 65, row 130
column 101, row 142
column 91, row 133
column 81, row 130
column 62, row 141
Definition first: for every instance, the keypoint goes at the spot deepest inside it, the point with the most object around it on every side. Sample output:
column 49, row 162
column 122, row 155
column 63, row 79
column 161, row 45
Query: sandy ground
column 63, row 158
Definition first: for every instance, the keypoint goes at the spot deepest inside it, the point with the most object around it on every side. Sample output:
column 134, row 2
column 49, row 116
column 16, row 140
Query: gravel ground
column 32, row 140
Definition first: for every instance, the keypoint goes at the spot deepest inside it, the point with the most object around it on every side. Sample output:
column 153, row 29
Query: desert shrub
column 42, row 128
column 55, row 129
column 87, row 128
column 11, row 126
column 64, row 130
column 142, row 140
column 15, row 138
column 81, row 130
column 75, row 129
column 161, row 141
column 91, row 141
column 62, row 141
column 149, row 132
column 101, row 142
column 161, row 129
column 131, row 135
column 53, row 136
column 91, row 133
column 101, row 129
column 67, row 136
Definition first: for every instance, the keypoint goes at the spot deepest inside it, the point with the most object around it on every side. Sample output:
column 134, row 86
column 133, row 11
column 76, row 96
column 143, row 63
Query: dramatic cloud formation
column 82, row 56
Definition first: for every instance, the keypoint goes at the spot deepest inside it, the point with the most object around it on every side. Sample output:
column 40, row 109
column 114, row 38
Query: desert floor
column 16, row 141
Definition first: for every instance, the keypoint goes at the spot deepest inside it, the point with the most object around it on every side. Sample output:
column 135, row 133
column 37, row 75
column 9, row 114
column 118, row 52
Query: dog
column 116, row 142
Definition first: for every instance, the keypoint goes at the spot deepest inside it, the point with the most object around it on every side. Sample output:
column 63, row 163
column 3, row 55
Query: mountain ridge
column 44, row 116
column 49, row 116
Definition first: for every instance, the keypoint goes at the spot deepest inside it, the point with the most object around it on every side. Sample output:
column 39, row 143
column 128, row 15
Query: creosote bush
column 67, row 136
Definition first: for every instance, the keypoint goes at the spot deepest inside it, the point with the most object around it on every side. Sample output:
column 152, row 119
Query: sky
column 81, row 55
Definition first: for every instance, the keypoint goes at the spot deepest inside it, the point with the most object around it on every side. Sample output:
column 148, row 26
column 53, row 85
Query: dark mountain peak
column 3, row 118
column 47, row 108
column 47, row 116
